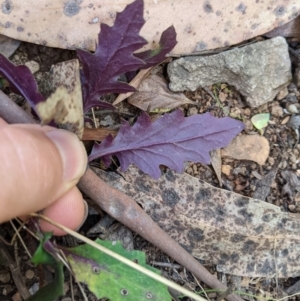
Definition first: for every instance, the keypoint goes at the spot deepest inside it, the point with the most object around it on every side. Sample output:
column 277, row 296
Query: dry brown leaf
column 248, row 147
column 64, row 106
column 290, row 29
column 243, row 236
column 200, row 25
column 216, row 162
column 134, row 83
column 154, row 95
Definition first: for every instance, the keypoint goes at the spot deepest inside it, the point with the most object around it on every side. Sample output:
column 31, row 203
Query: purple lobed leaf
column 166, row 43
column 114, row 54
column 171, row 140
column 21, row 81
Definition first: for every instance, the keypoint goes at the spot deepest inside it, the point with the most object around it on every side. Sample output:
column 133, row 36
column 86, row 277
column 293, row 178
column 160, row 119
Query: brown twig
column 15, row 271
column 124, row 209
column 97, row 134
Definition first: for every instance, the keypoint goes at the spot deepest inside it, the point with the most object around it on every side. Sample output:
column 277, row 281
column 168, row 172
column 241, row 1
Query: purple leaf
column 114, row 54
column 171, row 140
column 166, row 43
column 21, row 81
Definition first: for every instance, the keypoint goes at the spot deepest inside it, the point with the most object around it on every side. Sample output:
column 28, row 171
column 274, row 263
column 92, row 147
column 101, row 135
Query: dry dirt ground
column 239, row 176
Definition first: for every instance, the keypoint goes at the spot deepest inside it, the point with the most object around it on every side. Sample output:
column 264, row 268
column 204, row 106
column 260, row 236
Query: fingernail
column 86, row 212
column 72, row 153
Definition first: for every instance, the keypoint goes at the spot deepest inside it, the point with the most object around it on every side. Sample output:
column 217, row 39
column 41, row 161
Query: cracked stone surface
column 258, row 71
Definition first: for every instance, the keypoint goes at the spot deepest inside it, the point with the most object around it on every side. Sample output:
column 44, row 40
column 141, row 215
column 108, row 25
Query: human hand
column 39, row 170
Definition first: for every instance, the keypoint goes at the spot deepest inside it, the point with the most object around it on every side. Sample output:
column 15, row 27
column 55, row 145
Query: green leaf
column 260, row 120
column 107, row 277
column 54, row 289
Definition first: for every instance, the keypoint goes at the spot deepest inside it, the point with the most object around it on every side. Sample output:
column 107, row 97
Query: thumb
column 38, row 166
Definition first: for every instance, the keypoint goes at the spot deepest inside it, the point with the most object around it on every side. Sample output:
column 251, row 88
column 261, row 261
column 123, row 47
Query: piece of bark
column 97, row 134
column 124, row 209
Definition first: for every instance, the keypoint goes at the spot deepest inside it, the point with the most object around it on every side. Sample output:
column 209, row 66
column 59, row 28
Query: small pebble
column 293, row 158
column 291, row 207
column 294, row 122
column 226, row 169
column 276, row 111
column 247, row 112
column 248, row 125
column 33, row 66
column 282, row 94
column 192, row 111
column 273, row 185
column 190, row 170
column 292, row 87
column 223, row 96
column 291, row 98
column 271, row 161
column 294, row 166
column 292, row 109
column 29, row 274
column 212, row 295
column 256, row 174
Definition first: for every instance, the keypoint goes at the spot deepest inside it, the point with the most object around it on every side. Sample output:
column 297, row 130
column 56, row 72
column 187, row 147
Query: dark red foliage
column 171, row 140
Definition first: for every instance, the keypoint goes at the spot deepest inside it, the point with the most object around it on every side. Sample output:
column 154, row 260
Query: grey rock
column 258, row 71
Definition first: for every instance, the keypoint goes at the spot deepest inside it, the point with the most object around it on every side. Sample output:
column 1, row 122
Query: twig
column 17, row 232
column 124, row 209
column 166, row 265
column 15, row 272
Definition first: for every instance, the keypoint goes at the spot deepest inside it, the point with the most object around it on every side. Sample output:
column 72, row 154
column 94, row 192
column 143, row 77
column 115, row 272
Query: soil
column 242, row 177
